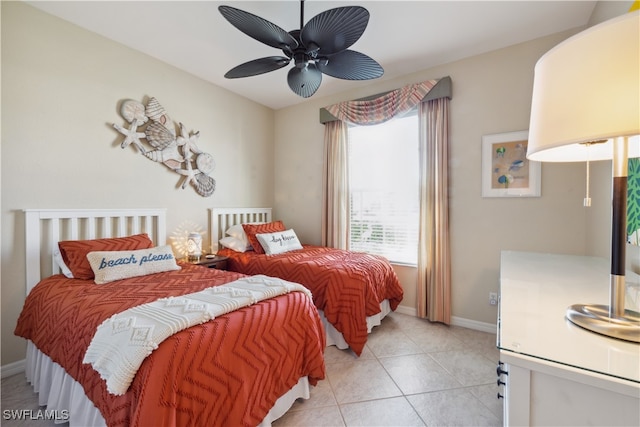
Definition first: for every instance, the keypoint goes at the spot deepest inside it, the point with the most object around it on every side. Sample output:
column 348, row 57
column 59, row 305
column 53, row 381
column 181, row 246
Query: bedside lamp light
column 586, row 107
column 194, row 246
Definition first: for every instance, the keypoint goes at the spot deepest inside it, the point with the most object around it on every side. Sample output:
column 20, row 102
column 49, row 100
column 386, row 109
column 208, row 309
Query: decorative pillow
column 279, row 242
column 238, row 245
column 253, row 229
column 115, row 265
column 237, row 231
column 74, row 252
column 63, row 267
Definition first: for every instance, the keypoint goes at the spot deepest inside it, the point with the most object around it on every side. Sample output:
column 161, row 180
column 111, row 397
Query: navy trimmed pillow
column 279, row 242
column 109, row 266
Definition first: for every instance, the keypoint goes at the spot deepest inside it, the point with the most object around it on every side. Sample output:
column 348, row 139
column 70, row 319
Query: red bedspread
column 347, row 286
column 228, row 371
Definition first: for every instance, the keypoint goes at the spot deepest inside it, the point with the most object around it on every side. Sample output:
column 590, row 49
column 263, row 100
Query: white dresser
column 557, row 373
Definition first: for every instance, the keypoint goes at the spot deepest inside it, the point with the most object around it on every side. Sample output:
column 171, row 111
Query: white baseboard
column 474, row 324
column 407, row 310
column 455, row 321
column 11, row 369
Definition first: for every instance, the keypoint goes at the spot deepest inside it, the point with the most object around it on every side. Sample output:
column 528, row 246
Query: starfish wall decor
column 178, row 152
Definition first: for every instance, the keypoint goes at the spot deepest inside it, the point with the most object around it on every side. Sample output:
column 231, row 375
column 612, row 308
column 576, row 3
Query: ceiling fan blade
column 257, row 66
column 351, row 65
column 258, row 28
column 304, row 81
column 334, row 30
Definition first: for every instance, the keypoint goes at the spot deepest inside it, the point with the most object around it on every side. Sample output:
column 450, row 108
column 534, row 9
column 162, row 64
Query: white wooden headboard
column 220, row 219
column 44, row 228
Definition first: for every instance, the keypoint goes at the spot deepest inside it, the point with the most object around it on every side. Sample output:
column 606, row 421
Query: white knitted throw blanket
column 122, row 342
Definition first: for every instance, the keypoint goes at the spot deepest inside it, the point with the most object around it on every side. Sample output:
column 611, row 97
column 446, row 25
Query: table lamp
column 586, row 107
column 194, row 246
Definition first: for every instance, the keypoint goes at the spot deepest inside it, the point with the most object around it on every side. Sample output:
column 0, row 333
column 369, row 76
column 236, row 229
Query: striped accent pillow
column 252, row 229
column 74, row 252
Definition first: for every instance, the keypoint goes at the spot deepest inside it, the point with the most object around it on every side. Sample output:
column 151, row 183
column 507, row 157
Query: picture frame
column 506, row 171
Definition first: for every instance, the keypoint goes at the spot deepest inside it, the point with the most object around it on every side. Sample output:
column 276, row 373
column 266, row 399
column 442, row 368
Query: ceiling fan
column 320, row 46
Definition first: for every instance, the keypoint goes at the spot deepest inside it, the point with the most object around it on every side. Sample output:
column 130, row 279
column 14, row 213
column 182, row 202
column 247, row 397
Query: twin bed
column 352, row 291
column 243, row 365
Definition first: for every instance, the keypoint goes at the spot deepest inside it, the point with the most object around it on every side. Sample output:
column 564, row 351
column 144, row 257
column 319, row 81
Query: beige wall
column 61, row 87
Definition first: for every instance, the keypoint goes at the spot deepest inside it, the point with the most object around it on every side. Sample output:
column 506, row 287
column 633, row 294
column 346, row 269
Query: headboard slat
column 74, row 229
column 55, row 237
column 91, row 227
column 121, row 227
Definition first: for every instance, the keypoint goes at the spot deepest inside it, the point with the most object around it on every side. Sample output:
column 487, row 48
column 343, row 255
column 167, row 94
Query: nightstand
column 218, row 262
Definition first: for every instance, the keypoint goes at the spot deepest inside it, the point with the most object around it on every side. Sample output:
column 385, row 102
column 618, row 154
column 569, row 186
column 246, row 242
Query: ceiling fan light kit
column 319, row 47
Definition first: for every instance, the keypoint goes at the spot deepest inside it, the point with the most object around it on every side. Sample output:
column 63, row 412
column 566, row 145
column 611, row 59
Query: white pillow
column 237, row 231
column 57, row 256
column 109, row 266
column 279, row 242
column 234, row 243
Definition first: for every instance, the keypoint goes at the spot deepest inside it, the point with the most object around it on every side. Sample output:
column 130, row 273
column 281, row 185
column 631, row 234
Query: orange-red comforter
column 347, row 286
column 228, row 371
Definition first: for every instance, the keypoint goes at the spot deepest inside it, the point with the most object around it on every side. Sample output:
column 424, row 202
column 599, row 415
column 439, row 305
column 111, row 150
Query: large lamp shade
column 585, row 107
column 587, row 89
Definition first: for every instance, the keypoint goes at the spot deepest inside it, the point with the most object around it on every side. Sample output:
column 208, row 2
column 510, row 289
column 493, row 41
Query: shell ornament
column 178, row 152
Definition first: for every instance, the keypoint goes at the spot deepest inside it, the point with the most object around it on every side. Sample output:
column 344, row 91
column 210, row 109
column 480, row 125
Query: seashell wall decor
column 177, row 151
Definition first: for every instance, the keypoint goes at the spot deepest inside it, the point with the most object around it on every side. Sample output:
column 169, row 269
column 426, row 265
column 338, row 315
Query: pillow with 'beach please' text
column 74, row 252
column 109, row 266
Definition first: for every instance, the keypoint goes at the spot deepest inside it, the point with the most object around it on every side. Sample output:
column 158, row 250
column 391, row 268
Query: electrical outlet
column 493, row 298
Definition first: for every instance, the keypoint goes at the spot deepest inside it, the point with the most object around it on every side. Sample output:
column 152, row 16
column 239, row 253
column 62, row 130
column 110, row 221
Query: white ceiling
column 403, row 36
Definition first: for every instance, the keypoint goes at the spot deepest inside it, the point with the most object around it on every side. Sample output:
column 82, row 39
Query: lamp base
column 595, row 318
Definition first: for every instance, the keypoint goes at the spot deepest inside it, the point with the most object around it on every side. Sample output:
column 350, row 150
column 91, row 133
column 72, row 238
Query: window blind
column 383, row 182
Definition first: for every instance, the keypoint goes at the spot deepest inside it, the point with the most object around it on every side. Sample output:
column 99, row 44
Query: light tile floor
column 411, row 373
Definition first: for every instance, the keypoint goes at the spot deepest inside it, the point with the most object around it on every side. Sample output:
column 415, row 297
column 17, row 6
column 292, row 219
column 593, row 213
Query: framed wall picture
column 506, row 171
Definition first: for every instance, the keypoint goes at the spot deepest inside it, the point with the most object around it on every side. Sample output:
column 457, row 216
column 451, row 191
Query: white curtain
column 335, row 188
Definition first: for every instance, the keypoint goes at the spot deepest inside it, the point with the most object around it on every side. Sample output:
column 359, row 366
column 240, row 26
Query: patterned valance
column 383, row 107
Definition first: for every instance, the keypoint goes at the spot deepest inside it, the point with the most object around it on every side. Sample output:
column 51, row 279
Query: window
column 384, row 189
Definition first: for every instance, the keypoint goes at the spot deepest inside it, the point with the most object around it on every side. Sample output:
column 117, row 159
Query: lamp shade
column 587, row 89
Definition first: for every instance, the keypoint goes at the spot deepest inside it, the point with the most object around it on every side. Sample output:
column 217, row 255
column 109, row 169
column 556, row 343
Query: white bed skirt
column 61, row 394
column 335, row 338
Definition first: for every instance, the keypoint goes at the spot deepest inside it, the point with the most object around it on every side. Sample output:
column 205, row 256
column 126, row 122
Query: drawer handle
column 499, row 396
column 499, row 370
column 500, row 382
